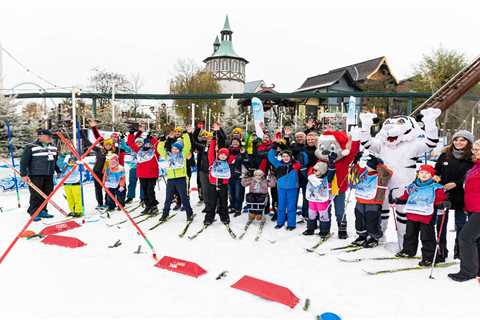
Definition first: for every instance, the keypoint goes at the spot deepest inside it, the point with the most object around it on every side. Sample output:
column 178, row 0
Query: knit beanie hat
column 427, row 168
column 224, row 151
column 467, row 135
column 178, row 145
column 286, row 151
column 139, row 140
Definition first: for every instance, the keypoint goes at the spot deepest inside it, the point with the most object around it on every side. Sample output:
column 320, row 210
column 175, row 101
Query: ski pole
column 40, row 208
column 79, row 145
column 437, row 237
column 10, row 147
column 72, row 149
column 37, row 189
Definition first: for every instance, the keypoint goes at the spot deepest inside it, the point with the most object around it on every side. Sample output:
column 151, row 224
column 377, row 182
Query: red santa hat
column 342, row 139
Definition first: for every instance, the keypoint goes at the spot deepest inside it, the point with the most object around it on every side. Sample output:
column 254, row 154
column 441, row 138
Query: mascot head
column 399, row 129
column 332, row 141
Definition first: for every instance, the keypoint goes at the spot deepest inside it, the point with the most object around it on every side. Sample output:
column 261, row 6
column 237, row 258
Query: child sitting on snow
column 319, row 196
column 114, row 180
column 370, row 191
column 422, row 198
column 257, row 197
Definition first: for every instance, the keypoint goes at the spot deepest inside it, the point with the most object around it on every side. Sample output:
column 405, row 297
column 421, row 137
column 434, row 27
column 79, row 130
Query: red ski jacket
column 472, row 189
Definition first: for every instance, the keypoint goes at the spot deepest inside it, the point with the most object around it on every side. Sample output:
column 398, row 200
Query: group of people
column 269, row 173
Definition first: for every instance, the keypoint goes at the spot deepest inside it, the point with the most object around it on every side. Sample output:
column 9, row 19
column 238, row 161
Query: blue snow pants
column 287, row 207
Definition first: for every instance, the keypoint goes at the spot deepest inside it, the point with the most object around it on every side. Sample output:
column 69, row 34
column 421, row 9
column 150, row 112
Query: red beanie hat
column 428, row 168
column 224, row 151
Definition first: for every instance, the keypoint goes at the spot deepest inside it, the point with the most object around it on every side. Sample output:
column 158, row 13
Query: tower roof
column 225, row 46
column 226, row 25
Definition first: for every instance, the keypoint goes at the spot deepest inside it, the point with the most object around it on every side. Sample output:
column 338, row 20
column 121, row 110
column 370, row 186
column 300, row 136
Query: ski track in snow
column 95, row 282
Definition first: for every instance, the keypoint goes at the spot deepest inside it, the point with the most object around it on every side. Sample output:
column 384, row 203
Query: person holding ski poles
column 423, row 199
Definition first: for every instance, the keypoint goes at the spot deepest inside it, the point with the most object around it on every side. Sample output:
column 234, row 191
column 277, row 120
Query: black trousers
column 368, row 220
column 204, row 183
column 469, row 245
column 427, row 236
column 98, row 189
column 217, row 197
column 177, row 186
column 148, row 187
column 119, row 195
column 44, row 183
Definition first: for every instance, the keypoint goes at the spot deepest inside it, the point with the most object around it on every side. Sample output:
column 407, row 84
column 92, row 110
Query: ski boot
column 45, row 214
column 360, row 241
column 404, row 254
column 370, row 243
column 291, row 228
column 425, row 263
column 129, row 200
column 153, row 211
column 324, row 234
column 460, row 277
column 164, row 217
column 308, row 232
column 237, row 213
column 190, row 218
column 342, row 231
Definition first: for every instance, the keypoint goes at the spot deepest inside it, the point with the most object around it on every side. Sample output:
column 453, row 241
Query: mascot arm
column 365, row 136
column 430, row 141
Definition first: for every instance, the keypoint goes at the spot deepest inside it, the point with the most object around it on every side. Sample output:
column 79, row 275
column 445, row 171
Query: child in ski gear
column 176, row 160
column 147, row 168
column 257, row 197
column 422, row 198
column 217, row 188
column 286, row 171
column 114, row 180
column 132, row 173
column 370, row 190
column 319, row 196
column 237, row 156
column 346, row 147
column 72, row 187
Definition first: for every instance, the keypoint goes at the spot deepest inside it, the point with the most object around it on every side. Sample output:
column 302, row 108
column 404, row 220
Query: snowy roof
column 252, row 86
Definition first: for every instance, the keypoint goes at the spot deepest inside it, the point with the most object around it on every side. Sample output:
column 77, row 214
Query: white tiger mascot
column 400, row 143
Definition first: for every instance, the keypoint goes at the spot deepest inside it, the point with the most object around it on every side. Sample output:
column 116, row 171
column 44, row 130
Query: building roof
column 326, row 80
column 216, row 42
column 363, row 70
column 252, row 86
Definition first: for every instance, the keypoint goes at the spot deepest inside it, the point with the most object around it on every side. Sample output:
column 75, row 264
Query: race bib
column 221, row 170
column 320, row 193
column 366, row 187
column 176, row 162
column 421, row 200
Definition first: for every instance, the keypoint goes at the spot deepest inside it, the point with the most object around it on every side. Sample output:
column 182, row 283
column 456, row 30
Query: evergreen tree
column 23, row 132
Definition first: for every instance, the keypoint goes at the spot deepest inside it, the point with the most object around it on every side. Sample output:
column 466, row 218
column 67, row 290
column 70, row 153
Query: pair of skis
column 247, row 226
column 205, row 226
column 321, row 241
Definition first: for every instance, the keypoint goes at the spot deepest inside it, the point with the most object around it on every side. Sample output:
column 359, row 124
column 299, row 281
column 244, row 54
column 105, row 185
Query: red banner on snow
column 63, row 241
column 61, row 227
column 181, row 266
column 267, row 290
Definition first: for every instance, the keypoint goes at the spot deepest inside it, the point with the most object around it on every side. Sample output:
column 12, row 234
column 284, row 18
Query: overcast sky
column 285, row 41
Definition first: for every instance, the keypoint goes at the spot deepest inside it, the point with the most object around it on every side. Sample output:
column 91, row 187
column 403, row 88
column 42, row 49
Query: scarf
column 458, row 154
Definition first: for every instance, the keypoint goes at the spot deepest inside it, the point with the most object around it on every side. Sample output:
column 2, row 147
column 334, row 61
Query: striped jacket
column 39, row 160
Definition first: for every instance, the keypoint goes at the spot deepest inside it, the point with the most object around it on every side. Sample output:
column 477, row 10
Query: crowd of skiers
column 268, row 175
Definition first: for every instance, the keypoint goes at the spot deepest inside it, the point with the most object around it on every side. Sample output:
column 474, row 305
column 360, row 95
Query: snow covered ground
column 96, row 282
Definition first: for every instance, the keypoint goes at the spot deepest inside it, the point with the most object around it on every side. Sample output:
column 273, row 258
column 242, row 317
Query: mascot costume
column 400, row 143
column 346, row 150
